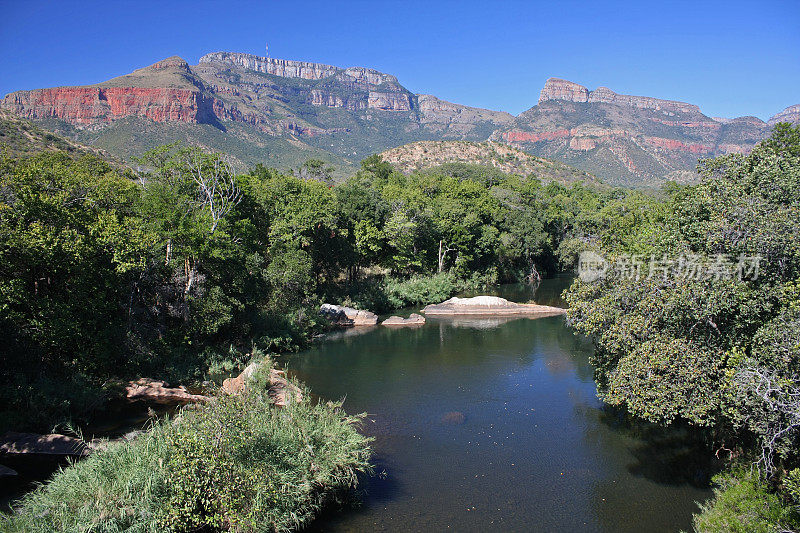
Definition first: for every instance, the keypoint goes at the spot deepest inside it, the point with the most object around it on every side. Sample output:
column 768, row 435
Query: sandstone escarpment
column 558, row 89
column 91, row 105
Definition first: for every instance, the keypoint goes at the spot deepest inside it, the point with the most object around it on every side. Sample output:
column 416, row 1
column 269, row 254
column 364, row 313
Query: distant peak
column 170, row 62
column 560, row 89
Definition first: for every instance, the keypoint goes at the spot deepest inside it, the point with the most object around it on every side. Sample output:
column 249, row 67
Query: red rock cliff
column 92, row 105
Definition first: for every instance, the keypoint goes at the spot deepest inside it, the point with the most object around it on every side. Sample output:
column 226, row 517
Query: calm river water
column 492, row 425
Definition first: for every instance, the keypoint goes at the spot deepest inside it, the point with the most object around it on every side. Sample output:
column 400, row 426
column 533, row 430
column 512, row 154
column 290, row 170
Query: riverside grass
column 238, row 464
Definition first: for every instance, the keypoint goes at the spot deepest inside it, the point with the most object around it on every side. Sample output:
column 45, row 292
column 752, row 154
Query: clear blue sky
column 731, row 58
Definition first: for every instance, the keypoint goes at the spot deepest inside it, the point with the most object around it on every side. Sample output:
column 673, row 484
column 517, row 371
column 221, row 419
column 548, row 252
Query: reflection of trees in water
column 674, row 455
column 669, row 469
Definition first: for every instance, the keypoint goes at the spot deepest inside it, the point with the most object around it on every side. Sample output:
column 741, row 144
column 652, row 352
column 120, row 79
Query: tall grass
column 237, row 464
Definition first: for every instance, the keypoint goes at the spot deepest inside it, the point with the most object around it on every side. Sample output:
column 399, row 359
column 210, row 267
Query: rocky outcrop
column 32, row 444
column 558, row 89
column 268, row 65
column 153, row 391
column 92, row 105
column 281, row 391
column 790, row 114
column 455, row 120
column 347, row 316
column 413, row 320
column 490, row 306
column 429, row 154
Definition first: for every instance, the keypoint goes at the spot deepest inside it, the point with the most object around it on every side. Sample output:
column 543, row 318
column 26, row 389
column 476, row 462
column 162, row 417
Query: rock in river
column 413, row 320
column 490, row 306
column 347, row 316
column 151, row 390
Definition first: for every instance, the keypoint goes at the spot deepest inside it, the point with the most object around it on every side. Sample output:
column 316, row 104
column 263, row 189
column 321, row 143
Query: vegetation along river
column 486, row 424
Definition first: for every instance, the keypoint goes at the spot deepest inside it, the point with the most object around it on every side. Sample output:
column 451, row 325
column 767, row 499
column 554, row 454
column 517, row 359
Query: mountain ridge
column 281, row 110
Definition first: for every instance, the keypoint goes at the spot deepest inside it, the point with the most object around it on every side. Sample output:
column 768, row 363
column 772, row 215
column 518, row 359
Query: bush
column 422, row 290
column 237, row 464
column 743, row 504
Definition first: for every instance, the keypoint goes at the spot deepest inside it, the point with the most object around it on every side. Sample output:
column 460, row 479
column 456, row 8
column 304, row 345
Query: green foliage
column 237, row 464
column 178, row 270
column 422, row 290
column 743, row 504
column 719, row 353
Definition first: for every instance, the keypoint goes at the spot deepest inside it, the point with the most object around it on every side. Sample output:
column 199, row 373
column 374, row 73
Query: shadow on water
column 673, row 455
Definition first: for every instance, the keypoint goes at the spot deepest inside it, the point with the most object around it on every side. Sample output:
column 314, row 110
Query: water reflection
column 498, row 429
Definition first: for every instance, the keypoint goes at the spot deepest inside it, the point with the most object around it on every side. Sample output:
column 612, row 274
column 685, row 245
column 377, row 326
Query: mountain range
column 282, row 112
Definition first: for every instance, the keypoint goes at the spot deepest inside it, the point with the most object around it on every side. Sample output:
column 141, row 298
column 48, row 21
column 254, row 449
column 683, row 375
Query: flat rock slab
column 347, row 316
column 413, row 320
column 21, row 444
column 490, row 306
column 159, row 392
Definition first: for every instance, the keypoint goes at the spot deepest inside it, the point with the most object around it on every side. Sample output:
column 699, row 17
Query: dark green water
column 489, row 425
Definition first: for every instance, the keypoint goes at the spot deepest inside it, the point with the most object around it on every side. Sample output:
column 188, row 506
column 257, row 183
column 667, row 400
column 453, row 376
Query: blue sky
column 731, row 58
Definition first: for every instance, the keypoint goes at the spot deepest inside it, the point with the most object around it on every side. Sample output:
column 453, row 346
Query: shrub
column 421, row 290
column 238, row 463
column 743, row 504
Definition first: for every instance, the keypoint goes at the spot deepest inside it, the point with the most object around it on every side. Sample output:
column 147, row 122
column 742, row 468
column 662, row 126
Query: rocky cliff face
column 93, row 105
column 790, row 114
column 298, row 108
column 301, row 106
column 627, row 139
column 558, row 89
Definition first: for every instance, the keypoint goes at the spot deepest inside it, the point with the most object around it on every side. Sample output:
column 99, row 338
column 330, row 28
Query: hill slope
column 430, row 154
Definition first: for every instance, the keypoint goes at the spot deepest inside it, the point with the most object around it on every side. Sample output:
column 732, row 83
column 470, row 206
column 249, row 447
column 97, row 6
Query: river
column 485, row 424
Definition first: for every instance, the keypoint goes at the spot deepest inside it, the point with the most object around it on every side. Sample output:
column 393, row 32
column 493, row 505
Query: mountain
column 423, row 155
column 256, row 109
column 20, row 137
column 629, row 140
column 282, row 113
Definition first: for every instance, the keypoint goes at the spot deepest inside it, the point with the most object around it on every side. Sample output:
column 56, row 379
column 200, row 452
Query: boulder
column 413, row 320
column 281, row 391
column 159, row 392
column 237, row 384
column 33, row 444
column 490, row 306
column 347, row 316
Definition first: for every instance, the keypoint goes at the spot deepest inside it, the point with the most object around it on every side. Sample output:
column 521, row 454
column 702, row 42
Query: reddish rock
column 347, row 316
column 281, row 391
column 413, row 320
column 490, row 306
column 558, row 89
column 453, row 417
column 675, row 145
column 582, row 143
column 19, row 444
column 527, row 136
column 154, row 391
column 90, row 105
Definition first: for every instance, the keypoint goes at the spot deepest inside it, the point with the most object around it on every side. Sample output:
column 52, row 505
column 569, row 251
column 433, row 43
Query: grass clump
column 237, row 464
column 744, row 504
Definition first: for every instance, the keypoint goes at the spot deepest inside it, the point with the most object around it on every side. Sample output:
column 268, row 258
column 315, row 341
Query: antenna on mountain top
column 267, row 46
